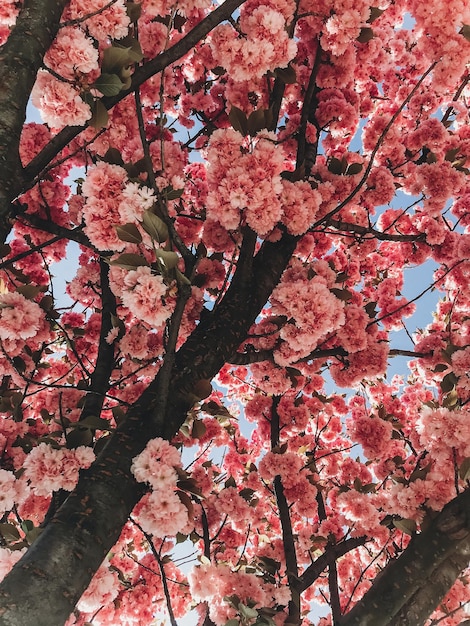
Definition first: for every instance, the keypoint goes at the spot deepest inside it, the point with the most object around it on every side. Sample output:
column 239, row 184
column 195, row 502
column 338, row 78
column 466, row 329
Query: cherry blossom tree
column 210, row 420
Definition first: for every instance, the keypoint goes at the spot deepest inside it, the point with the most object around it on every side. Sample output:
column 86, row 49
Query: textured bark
column 414, row 584
column 44, row 586
column 416, row 611
column 20, row 59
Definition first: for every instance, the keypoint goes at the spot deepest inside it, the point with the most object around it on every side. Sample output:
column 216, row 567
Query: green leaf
column 246, row 611
column 108, row 84
column 354, row 168
column 465, row 31
column 257, row 120
column 9, row 532
column 375, row 12
column 247, row 493
column 95, row 422
column 464, row 470
column 79, row 437
column 29, row 291
column 365, row 35
column 269, row 565
column 132, row 44
column 198, row 430
column 129, row 233
column 129, row 261
column 286, row 74
column 337, row 166
column 113, row 156
column 19, row 364
column 154, row 226
column 115, row 58
column 4, row 250
column 186, row 501
column 133, row 10
column 342, row 294
column 451, row 154
column 407, row 526
column 448, row 382
column 33, row 534
column 174, row 194
column 167, row 258
column 238, row 120
column 99, row 115
column 451, row 399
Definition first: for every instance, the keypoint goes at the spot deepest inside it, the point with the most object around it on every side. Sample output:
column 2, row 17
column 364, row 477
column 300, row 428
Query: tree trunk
column 412, row 586
column 44, row 586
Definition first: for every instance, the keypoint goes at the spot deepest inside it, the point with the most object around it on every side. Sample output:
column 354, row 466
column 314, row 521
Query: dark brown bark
column 414, row 584
column 45, row 585
column 20, row 59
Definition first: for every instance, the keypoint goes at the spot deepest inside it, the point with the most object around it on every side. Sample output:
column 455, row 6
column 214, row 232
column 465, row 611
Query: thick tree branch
column 99, row 383
column 71, row 548
column 416, row 611
column 314, row 570
column 288, row 541
column 441, row 545
column 20, row 59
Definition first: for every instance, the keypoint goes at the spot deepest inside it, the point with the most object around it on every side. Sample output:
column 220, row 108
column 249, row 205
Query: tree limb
column 20, row 59
column 143, row 73
column 68, row 552
column 441, row 545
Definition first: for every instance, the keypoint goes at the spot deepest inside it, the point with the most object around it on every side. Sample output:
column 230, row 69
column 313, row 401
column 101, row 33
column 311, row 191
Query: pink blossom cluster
column 20, row 318
column 103, row 589
column 144, row 294
column 103, row 190
column 443, row 429
column 50, row 469
column 313, row 314
column 214, row 583
column 161, row 512
column 264, row 46
column 244, row 186
column 8, row 13
column 101, row 21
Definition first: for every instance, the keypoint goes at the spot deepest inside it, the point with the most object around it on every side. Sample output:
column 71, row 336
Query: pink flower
column 162, row 513
column 59, row 103
column 8, row 558
column 50, row 469
column 155, row 464
column 103, row 588
column 112, row 23
column 8, row 491
column 144, row 294
column 20, row 318
column 72, row 53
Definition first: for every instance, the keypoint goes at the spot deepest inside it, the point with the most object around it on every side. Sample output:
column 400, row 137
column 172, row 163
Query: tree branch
column 374, row 234
column 73, row 545
column 335, row 551
column 447, row 537
column 99, row 383
column 143, row 73
column 20, row 59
